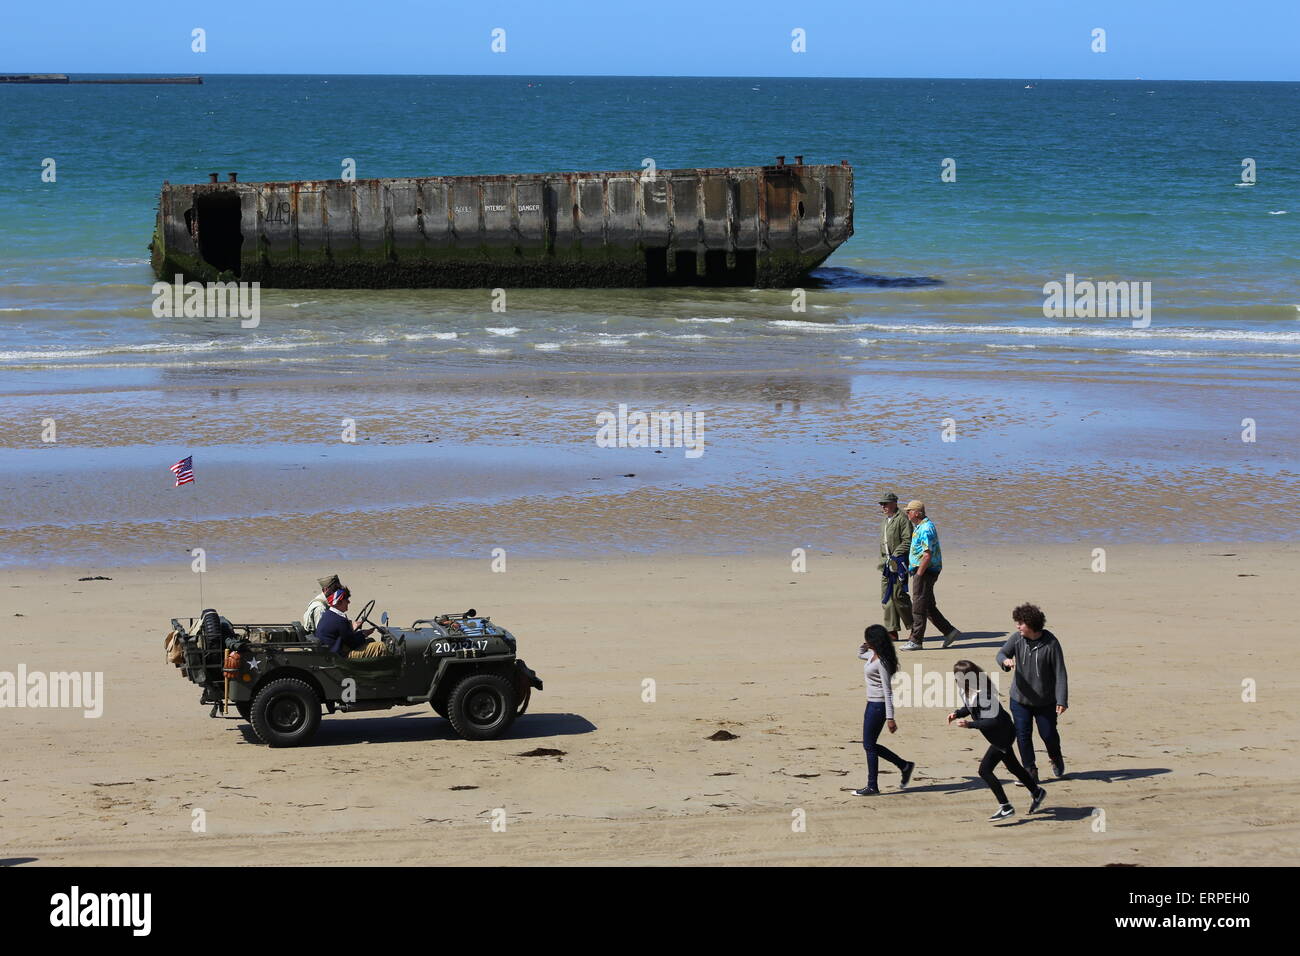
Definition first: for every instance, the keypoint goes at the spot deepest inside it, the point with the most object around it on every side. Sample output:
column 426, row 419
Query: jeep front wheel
column 482, row 707
column 285, row 713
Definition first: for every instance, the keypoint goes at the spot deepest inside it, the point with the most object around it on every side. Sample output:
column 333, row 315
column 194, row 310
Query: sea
column 1125, row 181
column 973, row 197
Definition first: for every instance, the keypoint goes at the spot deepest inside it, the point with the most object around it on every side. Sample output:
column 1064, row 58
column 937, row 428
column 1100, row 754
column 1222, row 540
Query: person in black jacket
column 1040, row 693
column 983, row 713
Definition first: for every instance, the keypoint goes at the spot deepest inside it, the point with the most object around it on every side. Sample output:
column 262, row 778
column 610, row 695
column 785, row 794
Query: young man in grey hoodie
column 1040, row 691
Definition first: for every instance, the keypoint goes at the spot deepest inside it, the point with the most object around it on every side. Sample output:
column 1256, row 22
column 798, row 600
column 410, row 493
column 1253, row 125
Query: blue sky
column 1152, row 39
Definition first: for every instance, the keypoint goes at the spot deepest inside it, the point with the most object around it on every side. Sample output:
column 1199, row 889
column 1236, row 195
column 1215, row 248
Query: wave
column 1184, row 353
column 810, row 326
column 296, row 360
column 162, row 348
column 56, row 354
column 510, row 330
column 723, row 321
column 1072, row 331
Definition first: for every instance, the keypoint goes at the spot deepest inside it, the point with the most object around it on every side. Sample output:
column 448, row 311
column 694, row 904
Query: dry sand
column 1157, row 737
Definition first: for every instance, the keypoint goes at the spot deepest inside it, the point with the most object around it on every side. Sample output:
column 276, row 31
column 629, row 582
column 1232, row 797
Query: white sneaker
column 912, row 646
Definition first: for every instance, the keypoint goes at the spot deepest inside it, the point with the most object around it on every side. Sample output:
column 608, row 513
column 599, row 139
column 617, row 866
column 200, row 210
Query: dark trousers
column 873, row 721
column 992, row 758
column 1025, row 717
column 924, row 606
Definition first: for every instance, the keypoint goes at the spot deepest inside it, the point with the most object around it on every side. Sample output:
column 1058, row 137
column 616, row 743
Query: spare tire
column 211, row 630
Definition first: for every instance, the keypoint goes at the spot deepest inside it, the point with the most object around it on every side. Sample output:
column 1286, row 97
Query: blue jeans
column 873, row 721
column 1025, row 717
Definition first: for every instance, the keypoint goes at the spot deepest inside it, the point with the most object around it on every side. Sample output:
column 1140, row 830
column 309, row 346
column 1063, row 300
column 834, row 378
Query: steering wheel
column 364, row 616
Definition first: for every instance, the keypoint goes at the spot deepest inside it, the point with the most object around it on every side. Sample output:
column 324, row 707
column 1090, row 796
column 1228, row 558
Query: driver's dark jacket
column 335, row 632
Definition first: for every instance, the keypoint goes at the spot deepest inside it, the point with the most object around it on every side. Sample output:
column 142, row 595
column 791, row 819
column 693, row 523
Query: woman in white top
column 878, row 651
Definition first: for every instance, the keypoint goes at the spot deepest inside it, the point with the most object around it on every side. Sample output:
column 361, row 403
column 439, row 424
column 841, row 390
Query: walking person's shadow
column 1112, row 776
column 1050, row 813
column 979, row 639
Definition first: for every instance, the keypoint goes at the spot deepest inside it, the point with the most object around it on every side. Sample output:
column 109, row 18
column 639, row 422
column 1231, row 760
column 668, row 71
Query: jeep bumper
column 528, row 674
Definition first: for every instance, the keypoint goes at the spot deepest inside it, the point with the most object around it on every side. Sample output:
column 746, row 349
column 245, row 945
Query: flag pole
column 203, row 570
column 183, row 470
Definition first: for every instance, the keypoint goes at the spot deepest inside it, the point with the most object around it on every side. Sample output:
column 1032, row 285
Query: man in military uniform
column 895, row 541
column 311, row 617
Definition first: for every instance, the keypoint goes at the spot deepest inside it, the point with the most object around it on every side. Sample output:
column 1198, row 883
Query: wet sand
column 452, row 466
column 1157, row 736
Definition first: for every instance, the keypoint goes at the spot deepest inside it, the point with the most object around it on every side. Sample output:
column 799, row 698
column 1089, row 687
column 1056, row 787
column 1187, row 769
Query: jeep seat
column 285, row 634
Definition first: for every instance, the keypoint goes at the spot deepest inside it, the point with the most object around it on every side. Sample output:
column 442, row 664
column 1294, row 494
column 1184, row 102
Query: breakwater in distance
column 65, row 80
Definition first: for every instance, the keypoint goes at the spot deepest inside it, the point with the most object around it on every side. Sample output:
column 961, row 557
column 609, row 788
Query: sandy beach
column 1166, row 763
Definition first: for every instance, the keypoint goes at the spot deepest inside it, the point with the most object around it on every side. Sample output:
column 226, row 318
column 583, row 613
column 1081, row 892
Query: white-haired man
column 925, row 561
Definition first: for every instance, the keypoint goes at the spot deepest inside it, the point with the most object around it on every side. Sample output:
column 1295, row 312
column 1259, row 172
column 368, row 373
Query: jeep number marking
column 448, row 647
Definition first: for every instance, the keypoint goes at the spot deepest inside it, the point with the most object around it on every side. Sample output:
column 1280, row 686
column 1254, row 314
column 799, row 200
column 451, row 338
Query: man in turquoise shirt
column 924, row 563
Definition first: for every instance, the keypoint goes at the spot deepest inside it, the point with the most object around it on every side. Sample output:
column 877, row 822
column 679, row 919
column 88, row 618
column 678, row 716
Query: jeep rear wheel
column 482, row 707
column 285, row 713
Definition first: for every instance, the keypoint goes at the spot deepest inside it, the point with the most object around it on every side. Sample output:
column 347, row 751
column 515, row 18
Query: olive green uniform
column 895, row 542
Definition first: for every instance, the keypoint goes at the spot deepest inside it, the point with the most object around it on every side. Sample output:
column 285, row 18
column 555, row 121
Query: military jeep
column 277, row 676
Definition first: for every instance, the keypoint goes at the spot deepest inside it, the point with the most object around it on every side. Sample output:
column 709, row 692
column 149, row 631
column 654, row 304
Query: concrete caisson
column 763, row 226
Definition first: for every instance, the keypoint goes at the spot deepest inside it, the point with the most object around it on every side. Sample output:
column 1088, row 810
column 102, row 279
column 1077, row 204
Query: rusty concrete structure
column 755, row 225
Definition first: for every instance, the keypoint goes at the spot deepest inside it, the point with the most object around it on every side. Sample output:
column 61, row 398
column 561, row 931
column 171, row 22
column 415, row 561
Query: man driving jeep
column 342, row 636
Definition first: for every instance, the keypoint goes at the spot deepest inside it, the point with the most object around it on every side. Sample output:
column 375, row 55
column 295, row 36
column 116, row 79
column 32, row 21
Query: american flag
column 184, row 471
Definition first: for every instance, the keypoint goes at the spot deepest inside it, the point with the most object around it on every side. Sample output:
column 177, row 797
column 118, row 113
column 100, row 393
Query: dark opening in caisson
column 220, row 239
